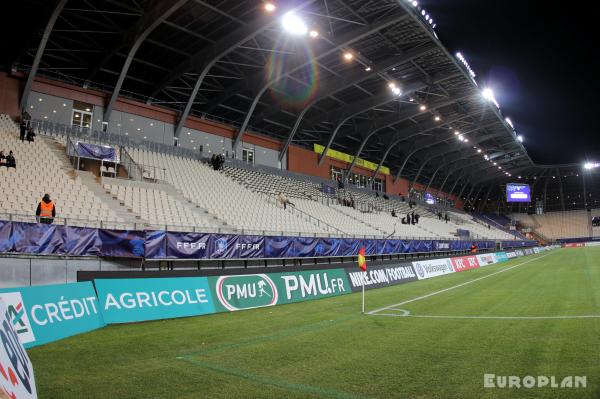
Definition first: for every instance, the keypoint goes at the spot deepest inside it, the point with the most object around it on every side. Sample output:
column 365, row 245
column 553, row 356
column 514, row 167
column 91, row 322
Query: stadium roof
column 372, row 80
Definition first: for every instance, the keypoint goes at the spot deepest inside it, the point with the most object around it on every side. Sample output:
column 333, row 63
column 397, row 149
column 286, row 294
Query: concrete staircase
column 170, row 190
column 92, row 182
column 60, row 153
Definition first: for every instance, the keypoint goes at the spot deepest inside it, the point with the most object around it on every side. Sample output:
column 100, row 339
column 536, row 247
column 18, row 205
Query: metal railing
column 272, row 199
column 29, row 217
column 107, row 138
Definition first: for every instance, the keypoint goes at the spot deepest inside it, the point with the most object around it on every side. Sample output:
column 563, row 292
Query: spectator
column 386, row 197
column 2, row 156
column 25, row 117
column 473, row 248
column 23, row 130
column 11, row 162
column 403, row 199
column 340, row 183
column 377, row 193
column 30, row 135
column 393, row 213
column 284, row 200
column 412, row 218
column 446, row 218
column 46, row 211
column 417, row 217
column 489, row 227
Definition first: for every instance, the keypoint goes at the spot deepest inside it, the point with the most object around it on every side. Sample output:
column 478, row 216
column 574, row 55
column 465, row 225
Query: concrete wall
column 57, row 109
column 19, row 272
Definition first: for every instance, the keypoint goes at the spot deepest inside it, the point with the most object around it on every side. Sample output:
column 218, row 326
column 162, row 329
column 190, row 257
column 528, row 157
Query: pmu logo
column 246, row 292
column 18, row 316
column 221, row 245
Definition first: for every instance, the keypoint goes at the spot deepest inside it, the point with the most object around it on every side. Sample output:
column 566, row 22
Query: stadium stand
column 595, row 215
column 555, row 225
column 188, row 195
column 39, row 170
column 229, row 201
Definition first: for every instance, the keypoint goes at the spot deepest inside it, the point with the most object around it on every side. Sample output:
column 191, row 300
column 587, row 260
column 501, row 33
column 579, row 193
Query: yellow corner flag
column 362, row 261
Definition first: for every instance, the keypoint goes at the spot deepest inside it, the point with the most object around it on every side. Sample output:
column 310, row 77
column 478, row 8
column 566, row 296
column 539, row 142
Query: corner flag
column 362, row 261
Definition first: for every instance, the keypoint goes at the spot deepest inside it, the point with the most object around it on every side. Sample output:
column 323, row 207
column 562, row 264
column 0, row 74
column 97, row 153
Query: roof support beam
column 40, row 52
column 205, row 59
column 411, row 132
column 339, row 44
column 560, row 186
column 425, row 143
column 336, row 84
column 455, row 184
column 411, row 88
column 139, row 33
column 485, row 199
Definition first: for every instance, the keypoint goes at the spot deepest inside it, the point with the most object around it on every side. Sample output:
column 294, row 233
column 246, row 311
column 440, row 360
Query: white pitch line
column 507, row 317
column 406, row 313
column 372, row 312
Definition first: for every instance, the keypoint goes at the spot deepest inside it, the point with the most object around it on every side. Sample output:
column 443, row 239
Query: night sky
column 541, row 61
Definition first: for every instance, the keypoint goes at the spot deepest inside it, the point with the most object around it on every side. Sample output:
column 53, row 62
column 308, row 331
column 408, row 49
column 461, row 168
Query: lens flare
column 292, row 93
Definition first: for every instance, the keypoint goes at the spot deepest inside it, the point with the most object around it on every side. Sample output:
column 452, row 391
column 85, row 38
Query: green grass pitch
column 504, row 324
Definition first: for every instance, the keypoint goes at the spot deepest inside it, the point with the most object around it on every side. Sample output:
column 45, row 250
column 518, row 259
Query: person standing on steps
column 46, row 211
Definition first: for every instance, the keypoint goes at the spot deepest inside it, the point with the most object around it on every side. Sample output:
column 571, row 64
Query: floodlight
column 293, row 24
column 488, row 94
column 270, row 7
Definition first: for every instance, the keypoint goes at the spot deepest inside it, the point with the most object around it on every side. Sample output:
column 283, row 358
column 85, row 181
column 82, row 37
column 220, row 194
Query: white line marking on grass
column 373, row 312
column 509, row 317
column 406, row 313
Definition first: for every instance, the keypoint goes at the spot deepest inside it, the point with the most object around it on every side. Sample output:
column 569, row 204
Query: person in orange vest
column 473, row 248
column 46, row 212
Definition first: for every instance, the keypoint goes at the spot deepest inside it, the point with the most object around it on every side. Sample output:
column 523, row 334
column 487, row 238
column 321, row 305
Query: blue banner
column 186, row 246
column 6, row 242
column 94, row 151
column 349, row 247
column 306, row 246
column 122, row 243
column 156, row 244
column 35, row 238
column 251, row 246
column 223, row 246
column 328, row 247
column 42, row 314
column 279, row 247
column 130, row 300
column 81, row 241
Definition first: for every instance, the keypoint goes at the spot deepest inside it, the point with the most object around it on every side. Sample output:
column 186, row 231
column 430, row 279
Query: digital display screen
column 518, row 192
column 429, row 199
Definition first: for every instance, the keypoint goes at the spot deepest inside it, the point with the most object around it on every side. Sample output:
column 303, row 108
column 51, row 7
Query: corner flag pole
column 363, row 292
column 362, row 264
